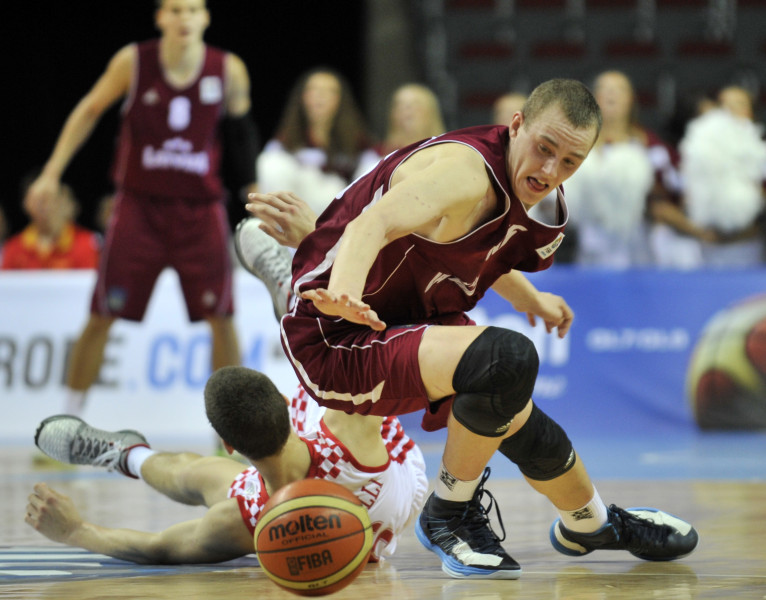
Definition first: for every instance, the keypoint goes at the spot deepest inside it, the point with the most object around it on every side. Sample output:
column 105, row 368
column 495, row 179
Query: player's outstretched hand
column 344, row 306
column 52, row 514
column 286, row 218
column 554, row 311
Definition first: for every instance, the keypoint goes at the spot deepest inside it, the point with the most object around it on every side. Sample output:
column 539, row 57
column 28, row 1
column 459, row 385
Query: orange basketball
column 313, row 537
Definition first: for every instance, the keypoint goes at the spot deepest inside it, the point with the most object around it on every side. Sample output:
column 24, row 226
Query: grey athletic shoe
column 267, row 259
column 71, row 440
column 646, row 533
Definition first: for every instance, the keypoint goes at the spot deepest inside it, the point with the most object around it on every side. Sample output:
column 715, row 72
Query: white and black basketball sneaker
column 71, row 440
column 464, row 539
column 647, row 533
column 267, row 259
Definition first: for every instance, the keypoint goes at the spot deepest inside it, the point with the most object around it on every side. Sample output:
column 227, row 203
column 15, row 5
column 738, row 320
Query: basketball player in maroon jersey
column 180, row 95
column 380, row 327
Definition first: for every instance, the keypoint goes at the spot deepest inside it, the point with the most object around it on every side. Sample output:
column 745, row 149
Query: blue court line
column 53, row 564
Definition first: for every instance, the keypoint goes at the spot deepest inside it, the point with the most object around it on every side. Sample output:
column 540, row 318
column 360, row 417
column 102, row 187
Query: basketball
column 313, row 537
column 726, row 378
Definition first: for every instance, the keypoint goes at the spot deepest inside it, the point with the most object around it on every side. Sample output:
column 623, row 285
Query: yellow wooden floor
column 730, row 561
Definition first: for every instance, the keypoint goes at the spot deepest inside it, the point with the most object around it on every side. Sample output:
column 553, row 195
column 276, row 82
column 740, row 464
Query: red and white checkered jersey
column 393, row 493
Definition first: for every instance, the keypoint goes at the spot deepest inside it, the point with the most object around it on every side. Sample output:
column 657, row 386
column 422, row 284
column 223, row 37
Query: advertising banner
column 623, row 365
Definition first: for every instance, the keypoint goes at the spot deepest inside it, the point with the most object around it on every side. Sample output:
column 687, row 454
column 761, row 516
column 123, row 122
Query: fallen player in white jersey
column 371, row 456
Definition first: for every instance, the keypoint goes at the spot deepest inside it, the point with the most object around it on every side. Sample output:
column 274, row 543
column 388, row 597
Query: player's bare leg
column 225, row 342
column 455, row 523
column 88, row 353
column 190, row 478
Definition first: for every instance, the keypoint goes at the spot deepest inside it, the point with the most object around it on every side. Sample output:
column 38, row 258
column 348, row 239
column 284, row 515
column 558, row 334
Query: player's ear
column 516, row 122
column 227, row 446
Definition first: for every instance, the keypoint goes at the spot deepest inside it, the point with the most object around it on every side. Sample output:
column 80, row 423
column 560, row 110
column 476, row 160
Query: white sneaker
column 71, row 440
column 267, row 259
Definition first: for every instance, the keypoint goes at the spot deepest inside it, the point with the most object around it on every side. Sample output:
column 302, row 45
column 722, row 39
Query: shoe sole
column 238, row 250
column 559, row 546
column 458, row 570
column 47, row 420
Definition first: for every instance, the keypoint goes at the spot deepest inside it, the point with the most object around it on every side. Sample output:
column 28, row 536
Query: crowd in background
column 640, row 199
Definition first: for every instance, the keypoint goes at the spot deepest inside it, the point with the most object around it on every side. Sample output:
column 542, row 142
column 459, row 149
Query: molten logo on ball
column 304, row 524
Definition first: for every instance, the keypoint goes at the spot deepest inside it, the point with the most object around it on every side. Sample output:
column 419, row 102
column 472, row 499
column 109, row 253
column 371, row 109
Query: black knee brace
column 494, row 381
column 541, row 448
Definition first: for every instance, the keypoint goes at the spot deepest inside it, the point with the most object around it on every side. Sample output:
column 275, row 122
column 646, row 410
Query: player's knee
column 541, row 448
column 494, row 381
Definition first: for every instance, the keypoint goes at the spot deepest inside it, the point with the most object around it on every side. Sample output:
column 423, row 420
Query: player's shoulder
column 234, row 66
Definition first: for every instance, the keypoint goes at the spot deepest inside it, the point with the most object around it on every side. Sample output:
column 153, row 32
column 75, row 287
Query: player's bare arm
column 237, row 86
column 113, row 84
column 526, row 298
column 218, row 536
column 441, row 192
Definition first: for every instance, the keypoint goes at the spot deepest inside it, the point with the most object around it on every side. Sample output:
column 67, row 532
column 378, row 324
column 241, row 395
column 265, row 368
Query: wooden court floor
column 730, row 561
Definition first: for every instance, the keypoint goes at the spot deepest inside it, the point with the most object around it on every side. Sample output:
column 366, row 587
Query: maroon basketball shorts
column 147, row 235
column 353, row 368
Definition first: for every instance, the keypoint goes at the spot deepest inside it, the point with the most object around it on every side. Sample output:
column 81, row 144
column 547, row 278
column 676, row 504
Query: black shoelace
column 641, row 532
column 476, row 518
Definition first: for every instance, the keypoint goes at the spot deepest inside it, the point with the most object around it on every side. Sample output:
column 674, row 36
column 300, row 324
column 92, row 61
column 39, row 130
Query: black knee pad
column 494, row 381
column 541, row 448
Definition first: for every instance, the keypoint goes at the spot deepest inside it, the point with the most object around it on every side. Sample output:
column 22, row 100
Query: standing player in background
column 181, row 97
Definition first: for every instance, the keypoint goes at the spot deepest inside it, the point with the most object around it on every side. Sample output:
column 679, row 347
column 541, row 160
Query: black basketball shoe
column 647, row 533
column 465, row 541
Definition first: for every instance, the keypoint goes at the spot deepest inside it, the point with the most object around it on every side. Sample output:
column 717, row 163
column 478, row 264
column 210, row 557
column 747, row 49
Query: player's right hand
column 40, row 194
column 344, row 306
column 286, row 218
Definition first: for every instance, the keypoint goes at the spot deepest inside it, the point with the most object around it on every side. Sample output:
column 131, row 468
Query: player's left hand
column 554, row 311
column 52, row 514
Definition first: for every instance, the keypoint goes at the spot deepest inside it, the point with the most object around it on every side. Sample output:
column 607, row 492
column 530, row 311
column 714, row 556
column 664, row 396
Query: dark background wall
column 54, row 51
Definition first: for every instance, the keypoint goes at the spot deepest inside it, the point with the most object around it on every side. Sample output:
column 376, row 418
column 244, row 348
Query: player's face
column 544, row 153
column 183, row 21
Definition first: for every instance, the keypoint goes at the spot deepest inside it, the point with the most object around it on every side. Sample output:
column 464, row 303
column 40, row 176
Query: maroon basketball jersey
column 168, row 143
column 414, row 278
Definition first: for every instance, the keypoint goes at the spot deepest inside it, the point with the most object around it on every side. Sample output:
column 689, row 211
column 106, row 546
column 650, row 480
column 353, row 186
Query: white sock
column 75, row 403
column 136, row 458
column 586, row 519
column 449, row 487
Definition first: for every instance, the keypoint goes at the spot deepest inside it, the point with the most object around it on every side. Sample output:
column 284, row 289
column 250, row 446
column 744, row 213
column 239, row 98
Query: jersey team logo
column 210, row 90
column 549, row 249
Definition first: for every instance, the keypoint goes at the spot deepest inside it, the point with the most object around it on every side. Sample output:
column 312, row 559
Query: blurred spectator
column 607, row 196
column 506, row 106
column 723, row 166
column 414, row 115
column 52, row 240
column 321, row 138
